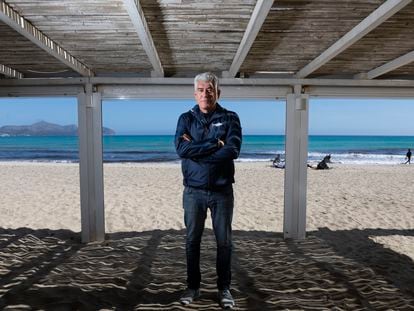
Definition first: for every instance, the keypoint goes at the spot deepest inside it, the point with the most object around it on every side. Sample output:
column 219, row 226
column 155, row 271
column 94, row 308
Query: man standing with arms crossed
column 208, row 139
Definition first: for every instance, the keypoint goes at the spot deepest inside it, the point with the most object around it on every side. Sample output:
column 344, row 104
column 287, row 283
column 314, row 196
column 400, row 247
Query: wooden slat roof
column 195, row 36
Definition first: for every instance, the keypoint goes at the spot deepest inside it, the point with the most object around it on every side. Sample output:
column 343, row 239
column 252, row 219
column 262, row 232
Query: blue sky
column 326, row 116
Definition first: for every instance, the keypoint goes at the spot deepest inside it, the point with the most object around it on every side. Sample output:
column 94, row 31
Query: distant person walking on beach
column 208, row 138
column 408, row 156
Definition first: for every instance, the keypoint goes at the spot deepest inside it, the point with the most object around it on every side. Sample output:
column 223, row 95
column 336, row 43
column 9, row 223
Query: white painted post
column 296, row 155
column 91, row 165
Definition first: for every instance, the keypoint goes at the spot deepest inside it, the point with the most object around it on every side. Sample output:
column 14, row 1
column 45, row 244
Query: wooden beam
column 359, row 92
column 259, row 15
column 390, row 66
column 39, row 90
column 18, row 23
column 381, row 14
column 10, row 72
column 141, row 27
column 181, row 91
column 187, row 91
column 241, row 83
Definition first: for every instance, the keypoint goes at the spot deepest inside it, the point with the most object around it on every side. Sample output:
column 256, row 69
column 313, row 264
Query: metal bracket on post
column 296, row 154
column 91, row 165
column 89, row 93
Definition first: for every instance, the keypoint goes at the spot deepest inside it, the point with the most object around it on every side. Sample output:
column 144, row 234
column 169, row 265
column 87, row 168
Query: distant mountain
column 43, row 128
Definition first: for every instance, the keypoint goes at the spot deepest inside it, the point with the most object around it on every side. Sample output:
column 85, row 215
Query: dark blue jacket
column 204, row 163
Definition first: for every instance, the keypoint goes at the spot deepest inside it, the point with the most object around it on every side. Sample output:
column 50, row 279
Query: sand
column 359, row 253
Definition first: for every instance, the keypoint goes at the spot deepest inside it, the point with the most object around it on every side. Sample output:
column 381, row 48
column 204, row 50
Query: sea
column 358, row 150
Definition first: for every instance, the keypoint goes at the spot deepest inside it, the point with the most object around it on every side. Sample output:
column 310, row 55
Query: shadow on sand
column 330, row 270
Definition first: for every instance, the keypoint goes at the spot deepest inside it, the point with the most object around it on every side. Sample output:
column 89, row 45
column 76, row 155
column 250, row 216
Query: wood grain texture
column 193, row 36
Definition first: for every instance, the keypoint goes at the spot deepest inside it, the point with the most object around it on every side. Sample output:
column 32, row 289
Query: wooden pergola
column 291, row 49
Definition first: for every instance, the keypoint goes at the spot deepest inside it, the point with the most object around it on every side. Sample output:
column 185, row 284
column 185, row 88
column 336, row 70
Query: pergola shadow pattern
column 330, row 270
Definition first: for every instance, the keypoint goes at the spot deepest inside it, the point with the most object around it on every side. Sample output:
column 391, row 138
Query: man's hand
column 220, row 143
column 186, row 137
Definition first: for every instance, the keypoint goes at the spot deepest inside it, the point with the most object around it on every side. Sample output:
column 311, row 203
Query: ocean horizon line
column 171, row 135
column 327, row 135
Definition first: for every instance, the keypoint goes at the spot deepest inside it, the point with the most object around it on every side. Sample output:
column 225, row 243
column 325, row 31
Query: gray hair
column 207, row 77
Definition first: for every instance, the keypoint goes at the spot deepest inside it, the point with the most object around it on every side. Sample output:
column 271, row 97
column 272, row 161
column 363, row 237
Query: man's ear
column 218, row 93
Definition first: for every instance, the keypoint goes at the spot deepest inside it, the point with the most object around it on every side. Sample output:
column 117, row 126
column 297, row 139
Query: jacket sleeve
column 233, row 140
column 192, row 149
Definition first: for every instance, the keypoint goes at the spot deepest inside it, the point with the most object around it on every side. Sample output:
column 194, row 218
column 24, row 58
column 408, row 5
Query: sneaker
column 226, row 299
column 189, row 296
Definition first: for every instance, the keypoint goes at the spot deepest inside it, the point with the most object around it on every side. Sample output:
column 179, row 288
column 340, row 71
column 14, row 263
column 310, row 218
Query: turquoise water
column 160, row 148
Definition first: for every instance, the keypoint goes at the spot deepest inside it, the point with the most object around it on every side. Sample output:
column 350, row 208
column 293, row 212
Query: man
column 208, row 139
column 408, row 156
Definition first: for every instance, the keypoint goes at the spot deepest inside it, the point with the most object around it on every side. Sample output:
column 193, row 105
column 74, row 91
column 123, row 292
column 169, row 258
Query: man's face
column 206, row 96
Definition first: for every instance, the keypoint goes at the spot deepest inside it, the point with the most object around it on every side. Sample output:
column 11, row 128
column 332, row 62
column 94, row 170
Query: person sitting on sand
column 408, row 157
column 277, row 162
column 322, row 165
column 327, row 159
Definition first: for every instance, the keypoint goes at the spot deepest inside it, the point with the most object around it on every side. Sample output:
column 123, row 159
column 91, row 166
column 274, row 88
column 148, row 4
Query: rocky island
column 43, row 128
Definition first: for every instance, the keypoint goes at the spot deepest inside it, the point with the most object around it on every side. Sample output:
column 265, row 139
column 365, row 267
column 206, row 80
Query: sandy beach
column 359, row 253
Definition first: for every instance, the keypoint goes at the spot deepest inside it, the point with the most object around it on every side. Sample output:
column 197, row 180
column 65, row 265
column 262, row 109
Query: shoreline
column 175, row 163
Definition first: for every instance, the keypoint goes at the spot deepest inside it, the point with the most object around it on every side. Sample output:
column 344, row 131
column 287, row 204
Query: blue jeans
column 195, row 203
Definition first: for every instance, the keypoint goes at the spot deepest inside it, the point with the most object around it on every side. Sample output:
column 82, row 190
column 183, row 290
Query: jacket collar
column 199, row 115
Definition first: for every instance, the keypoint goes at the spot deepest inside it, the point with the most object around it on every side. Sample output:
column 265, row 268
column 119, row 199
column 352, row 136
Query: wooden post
column 91, row 165
column 296, row 154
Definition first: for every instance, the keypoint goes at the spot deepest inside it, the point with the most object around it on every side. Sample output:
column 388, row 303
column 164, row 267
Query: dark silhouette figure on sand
column 322, row 165
column 408, row 157
column 277, row 162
